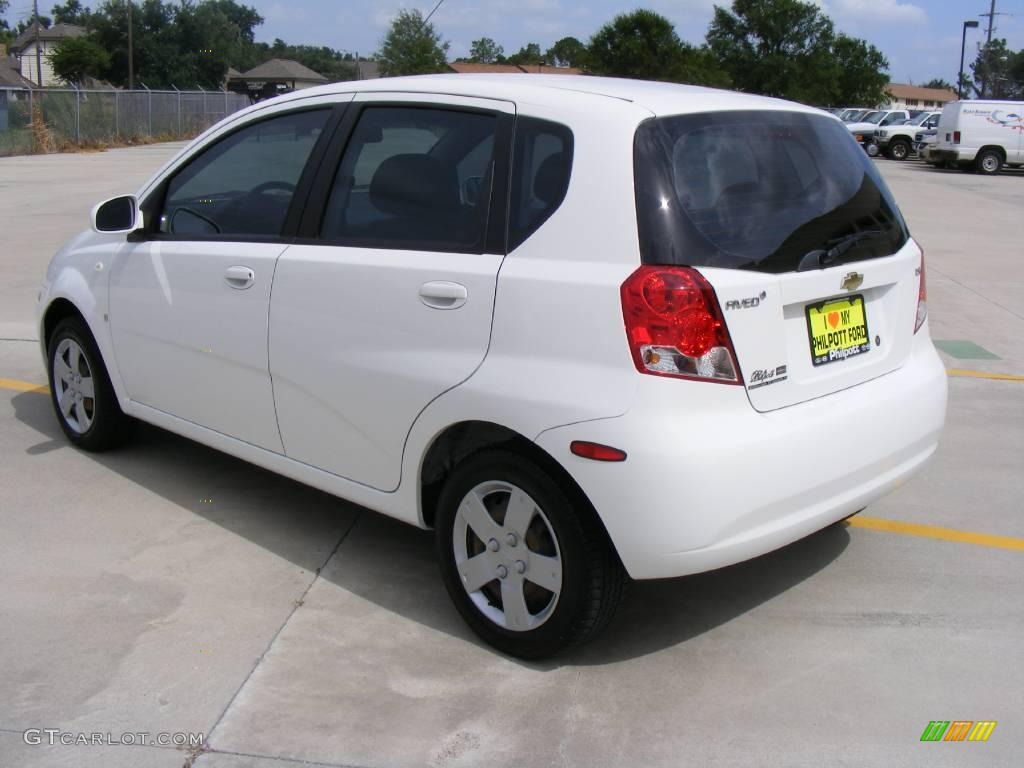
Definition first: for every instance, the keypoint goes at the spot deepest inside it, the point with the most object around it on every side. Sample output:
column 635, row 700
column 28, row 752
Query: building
column 10, row 71
column 471, row 68
column 916, row 97
column 274, row 77
column 49, row 38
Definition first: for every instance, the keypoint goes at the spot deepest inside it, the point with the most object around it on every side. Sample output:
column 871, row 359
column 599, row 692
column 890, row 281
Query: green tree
column 528, row 54
column 567, row 52
column 412, row 47
column 991, row 71
column 485, row 51
column 71, row 12
column 644, row 45
column 860, row 73
column 938, row 82
column 76, row 58
column 777, row 48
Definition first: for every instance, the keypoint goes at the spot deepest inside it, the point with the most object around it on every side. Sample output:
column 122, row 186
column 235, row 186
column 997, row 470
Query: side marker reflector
column 596, row 451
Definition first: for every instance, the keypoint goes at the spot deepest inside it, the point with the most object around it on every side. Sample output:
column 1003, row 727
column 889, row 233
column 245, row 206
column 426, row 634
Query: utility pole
column 131, row 54
column 39, row 50
column 988, row 43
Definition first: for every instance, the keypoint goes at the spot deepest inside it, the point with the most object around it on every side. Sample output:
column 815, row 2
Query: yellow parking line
column 982, row 374
column 935, row 532
column 24, row 386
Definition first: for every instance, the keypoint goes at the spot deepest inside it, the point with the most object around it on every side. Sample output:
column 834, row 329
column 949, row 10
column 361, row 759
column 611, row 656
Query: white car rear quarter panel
column 709, row 482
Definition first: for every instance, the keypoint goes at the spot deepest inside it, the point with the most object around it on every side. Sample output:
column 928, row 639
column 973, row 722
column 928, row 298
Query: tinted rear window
column 757, row 190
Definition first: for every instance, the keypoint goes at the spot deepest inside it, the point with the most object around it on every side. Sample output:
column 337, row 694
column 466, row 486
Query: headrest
column 550, row 182
column 406, row 185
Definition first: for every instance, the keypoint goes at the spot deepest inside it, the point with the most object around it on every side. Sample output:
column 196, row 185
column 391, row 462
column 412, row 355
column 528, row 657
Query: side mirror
column 117, row 215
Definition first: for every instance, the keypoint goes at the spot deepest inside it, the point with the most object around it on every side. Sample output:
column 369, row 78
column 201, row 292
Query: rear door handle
column 239, row 278
column 442, row 294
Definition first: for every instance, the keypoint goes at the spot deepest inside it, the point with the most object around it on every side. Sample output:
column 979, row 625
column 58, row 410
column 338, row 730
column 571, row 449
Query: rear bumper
column 720, row 483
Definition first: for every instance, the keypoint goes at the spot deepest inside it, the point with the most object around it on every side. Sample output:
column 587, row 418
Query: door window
column 414, row 178
column 243, row 184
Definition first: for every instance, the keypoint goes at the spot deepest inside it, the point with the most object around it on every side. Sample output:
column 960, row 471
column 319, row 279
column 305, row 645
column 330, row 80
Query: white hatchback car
column 581, row 327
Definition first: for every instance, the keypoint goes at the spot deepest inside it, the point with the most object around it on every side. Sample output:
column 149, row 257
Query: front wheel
column 528, row 569
column 81, row 392
column 899, row 150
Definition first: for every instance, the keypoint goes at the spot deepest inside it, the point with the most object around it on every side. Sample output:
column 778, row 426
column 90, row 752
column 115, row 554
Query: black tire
column 988, row 162
column 592, row 577
column 108, row 426
column 899, row 149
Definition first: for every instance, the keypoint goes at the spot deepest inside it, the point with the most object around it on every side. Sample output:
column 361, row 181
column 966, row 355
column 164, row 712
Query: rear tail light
column 675, row 326
column 922, row 298
column 956, row 137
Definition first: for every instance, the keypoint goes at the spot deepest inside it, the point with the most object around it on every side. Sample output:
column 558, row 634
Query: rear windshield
column 758, row 190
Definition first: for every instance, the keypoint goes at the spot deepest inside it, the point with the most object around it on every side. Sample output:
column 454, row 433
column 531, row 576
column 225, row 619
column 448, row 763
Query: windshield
column 873, row 117
column 756, row 190
column 919, row 120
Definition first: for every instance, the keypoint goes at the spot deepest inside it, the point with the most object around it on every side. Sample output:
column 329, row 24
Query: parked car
column 864, row 130
column 983, row 135
column 897, row 140
column 580, row 337
column 853, row 115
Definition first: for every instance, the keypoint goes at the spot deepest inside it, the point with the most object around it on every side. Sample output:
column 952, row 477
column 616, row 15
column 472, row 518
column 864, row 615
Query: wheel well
column 460, row 440
column 995, row 148
column 57, row 311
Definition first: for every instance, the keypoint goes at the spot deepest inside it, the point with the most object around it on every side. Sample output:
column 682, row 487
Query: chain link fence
column 81, row 117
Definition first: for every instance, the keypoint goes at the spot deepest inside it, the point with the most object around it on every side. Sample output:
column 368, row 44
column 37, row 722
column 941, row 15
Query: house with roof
column 915, row 97
column 26, row 46
column 10, row 71
column 273, row 77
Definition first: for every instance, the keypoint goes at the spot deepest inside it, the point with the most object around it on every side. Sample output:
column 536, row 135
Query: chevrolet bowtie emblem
column 852, row 281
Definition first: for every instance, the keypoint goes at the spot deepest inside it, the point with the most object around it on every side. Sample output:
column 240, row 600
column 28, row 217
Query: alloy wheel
column 507, row 556
column 73, row 386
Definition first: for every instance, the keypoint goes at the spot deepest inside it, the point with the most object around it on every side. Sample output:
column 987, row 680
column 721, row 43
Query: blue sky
column 921, row 38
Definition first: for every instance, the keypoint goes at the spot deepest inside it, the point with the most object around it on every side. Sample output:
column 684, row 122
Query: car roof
column 551, row 91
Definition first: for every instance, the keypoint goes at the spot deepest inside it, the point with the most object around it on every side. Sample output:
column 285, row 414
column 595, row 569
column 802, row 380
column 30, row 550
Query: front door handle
column 442, row 294
column 240, row 278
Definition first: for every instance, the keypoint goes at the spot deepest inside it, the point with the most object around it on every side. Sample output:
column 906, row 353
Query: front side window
column 757, row 190
column 243, row 184
column 414, row 178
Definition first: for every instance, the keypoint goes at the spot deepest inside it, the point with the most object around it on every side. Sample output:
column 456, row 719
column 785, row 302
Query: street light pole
column 131, row 53
column 963, row 44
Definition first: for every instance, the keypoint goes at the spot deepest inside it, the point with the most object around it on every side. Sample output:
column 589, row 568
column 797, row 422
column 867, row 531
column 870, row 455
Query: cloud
column 875, row 10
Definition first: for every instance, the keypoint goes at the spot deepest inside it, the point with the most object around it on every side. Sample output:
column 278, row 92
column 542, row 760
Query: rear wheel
column 81, row 392
column 528, row 570
column 899, row 149
column 988, row 162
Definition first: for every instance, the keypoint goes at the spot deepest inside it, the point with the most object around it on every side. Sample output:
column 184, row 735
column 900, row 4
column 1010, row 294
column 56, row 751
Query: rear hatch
column 791, row 224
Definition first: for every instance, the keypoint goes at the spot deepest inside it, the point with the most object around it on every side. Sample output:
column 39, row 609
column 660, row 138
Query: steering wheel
column 267, row 186
column 736, row 190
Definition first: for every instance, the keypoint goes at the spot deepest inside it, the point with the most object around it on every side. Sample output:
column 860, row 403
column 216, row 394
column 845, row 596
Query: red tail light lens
column 922, row 298
column 596, row 451
column 675, row 326
column 956, row 137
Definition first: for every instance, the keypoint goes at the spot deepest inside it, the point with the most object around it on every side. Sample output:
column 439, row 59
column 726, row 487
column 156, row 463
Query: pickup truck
column 897, row 141
column 864, row 131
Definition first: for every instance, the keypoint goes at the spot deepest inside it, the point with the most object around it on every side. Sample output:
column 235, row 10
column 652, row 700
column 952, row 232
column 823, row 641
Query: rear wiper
column 821, row 257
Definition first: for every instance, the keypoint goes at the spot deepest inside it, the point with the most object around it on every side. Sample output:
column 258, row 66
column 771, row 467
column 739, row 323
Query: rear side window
column 243, row 184
column 414, row 178
column 758, row 190
column 541, row 166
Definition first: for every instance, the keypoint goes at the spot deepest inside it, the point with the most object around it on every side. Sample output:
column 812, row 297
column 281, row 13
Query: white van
column 985, row 134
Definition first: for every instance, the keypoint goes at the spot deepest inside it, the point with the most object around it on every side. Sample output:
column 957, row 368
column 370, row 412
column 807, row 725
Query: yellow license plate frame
column 837, row 329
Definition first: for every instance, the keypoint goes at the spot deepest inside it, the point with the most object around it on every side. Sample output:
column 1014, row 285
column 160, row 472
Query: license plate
column 838, row 329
